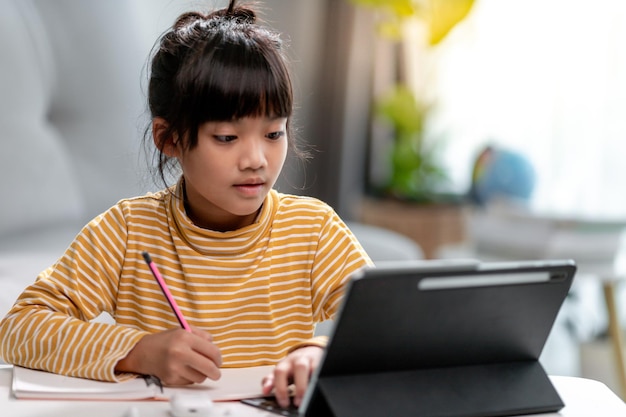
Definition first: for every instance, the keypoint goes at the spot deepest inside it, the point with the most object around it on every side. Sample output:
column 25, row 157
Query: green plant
column 415, row 171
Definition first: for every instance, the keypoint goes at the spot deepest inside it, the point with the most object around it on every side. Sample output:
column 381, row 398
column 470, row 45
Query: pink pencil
column 166, row 291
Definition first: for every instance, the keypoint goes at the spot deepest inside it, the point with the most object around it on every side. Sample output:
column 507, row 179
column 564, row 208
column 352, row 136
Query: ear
column 167, row 145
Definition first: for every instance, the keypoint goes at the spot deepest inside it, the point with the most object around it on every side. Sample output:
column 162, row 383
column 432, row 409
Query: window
column 546, row 78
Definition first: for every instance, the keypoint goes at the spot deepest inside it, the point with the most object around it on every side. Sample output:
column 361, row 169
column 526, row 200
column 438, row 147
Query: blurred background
column 474, row 128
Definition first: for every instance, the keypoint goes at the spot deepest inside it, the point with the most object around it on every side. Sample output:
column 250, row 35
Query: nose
column 252, row 154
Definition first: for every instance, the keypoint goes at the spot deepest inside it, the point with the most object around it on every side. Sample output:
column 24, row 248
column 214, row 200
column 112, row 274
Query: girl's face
column 231, row 170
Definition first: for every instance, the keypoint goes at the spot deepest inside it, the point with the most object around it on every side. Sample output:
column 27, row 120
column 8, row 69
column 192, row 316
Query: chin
column 247, row 211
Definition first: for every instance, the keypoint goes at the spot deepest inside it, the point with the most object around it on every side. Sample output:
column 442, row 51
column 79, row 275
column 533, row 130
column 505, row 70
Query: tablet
column 442, row 341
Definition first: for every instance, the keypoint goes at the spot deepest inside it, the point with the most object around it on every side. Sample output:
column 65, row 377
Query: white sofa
column 70, row 111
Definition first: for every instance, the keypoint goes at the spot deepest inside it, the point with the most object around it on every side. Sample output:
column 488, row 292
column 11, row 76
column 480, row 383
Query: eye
column 224, row 138
column 275, row 135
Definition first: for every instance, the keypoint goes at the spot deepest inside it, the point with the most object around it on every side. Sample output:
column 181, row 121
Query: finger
column 191, row 368
column 267, row 384
column 207, row 368
column 185, row 376
column 202, row 333
column 205, row 364
column 208, row 350
column 301, row 374
column 282, row 371
column 201, row 357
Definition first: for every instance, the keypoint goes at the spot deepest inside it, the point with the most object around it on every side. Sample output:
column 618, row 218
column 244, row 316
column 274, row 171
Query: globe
column 503, row 174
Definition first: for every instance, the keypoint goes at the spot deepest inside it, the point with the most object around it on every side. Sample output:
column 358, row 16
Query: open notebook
column 235, row 384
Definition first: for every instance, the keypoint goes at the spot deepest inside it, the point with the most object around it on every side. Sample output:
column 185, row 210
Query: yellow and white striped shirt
column 258, row 290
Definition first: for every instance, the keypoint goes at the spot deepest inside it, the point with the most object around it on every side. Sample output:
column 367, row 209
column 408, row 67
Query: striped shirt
column 258, row 290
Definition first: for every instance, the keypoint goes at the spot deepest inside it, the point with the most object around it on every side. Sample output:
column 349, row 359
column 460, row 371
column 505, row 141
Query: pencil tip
column 146, row 256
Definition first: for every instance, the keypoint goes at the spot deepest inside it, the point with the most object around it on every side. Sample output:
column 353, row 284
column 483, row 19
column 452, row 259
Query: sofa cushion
column 40, row 187
column 97, row 105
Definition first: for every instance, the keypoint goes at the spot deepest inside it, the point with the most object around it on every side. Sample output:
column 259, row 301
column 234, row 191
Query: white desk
column 582, row 398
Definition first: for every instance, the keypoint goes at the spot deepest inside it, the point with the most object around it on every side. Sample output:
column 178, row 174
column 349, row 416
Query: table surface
column 582, row 398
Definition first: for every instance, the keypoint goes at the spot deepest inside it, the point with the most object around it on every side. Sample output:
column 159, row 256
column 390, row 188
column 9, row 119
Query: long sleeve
column 49, row 326
column 337, row 256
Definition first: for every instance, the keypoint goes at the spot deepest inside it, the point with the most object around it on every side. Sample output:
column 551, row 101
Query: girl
column 252, row 269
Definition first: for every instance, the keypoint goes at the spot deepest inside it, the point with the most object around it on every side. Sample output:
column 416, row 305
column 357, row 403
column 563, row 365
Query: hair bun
column 237, row 14
column 186, row 19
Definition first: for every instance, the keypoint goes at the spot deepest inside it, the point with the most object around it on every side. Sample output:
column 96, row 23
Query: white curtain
column 546, row 78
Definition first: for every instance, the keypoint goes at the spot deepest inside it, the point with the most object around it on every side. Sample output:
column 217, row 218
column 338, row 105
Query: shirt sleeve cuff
column 319, row 341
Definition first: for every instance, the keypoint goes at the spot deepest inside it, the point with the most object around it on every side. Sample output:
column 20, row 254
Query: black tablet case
column 470, row 351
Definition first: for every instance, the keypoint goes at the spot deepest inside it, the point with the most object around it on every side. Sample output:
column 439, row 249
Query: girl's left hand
column 295, row 369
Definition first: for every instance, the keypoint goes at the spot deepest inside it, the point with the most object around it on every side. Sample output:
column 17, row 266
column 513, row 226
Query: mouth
column 252, row 187
column 251, row 182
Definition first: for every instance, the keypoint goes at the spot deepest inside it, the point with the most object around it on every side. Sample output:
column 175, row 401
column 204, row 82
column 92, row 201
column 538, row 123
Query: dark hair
column 219, row 66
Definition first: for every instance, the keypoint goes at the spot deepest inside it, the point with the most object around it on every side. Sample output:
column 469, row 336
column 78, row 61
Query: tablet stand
column 464, row 391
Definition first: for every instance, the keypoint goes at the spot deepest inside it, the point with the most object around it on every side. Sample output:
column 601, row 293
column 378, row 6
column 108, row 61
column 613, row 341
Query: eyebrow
column 271, row 119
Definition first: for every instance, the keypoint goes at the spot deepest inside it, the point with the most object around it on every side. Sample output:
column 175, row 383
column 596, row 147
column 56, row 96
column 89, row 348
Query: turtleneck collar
column 211, row 242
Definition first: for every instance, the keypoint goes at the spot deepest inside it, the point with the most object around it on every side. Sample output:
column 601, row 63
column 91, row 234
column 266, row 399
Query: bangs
column 239, row 81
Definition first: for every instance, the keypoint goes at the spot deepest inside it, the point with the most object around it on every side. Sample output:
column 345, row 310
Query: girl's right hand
column 176, row 357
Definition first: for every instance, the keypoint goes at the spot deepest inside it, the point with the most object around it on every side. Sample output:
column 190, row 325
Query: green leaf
column 402, row 109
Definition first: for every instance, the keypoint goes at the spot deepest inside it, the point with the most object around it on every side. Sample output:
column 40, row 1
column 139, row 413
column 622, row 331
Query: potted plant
column 414, row 171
